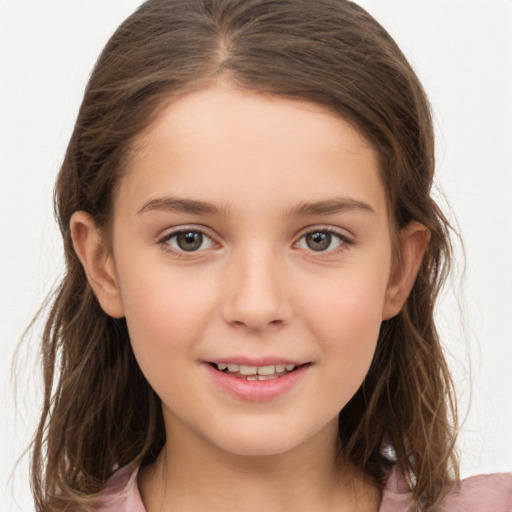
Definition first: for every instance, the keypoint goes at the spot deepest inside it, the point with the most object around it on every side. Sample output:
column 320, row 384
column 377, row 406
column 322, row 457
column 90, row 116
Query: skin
column 253, row 289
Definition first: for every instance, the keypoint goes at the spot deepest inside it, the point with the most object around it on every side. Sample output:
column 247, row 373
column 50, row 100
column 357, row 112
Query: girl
column 253, row 257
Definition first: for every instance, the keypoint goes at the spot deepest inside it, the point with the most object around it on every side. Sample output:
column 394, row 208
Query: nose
column 256, row 291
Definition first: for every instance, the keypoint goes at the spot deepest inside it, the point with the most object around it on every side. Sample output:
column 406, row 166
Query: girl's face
column 252, row 260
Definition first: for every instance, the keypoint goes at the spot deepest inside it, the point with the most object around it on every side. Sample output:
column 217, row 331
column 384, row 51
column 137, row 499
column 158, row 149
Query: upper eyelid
column 170, row 232
column 173, row 231
column 343, row 233
column 164, row 239
column 347, row 240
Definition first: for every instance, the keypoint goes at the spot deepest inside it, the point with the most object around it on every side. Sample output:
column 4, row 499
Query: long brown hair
column 99, row 412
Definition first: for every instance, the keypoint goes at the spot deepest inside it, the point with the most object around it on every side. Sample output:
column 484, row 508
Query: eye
column 188, row 240
column 322, row 240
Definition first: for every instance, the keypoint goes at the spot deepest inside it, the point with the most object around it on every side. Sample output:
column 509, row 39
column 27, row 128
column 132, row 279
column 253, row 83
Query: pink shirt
column 482, row 493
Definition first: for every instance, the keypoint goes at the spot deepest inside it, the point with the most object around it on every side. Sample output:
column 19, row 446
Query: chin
column 263, row 440
column 258, row 447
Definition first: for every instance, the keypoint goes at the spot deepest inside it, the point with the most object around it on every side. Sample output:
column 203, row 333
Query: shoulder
column 489, row 493
column 121, row 493
column 482, row 493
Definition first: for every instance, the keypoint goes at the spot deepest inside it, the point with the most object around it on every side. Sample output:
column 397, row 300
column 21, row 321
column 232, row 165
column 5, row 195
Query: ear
column 98, row 263
column 414, row 240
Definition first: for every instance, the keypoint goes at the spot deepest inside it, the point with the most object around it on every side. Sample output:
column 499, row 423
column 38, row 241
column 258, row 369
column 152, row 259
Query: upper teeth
column 256, row 370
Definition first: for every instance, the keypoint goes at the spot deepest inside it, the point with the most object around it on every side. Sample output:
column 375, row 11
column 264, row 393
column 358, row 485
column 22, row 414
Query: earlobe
column 98, row 263
column 414, row 239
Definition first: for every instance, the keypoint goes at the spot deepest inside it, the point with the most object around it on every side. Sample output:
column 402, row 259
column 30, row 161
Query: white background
column 462, row 51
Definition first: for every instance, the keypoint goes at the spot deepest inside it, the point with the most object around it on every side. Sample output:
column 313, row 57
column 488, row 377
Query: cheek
column 165, row 316
column 348, row 308
column 346, row 320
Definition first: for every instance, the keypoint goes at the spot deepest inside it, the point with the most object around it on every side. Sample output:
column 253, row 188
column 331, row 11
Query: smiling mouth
column 242, row 371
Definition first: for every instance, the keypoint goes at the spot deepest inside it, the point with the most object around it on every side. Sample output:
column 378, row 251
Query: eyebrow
column 183, row 205
column 304, row 208
column 329, row 206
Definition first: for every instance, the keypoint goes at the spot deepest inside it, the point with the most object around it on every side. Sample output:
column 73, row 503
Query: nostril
column 257, row 325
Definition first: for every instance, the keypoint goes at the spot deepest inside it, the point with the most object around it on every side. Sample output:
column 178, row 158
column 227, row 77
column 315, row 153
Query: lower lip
column 257, row 390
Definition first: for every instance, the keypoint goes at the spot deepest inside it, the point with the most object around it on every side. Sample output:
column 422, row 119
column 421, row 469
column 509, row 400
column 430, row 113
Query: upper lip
column 249, row 361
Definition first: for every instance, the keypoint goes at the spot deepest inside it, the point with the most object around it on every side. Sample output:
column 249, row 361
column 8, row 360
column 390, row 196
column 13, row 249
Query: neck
column 191, row 474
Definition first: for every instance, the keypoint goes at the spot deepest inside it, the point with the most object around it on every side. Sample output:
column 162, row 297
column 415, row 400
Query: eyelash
column 178, row 252
column 344, row 240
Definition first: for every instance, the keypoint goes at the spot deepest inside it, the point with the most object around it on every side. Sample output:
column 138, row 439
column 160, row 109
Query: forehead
column 225, row 106
column 244, row 146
